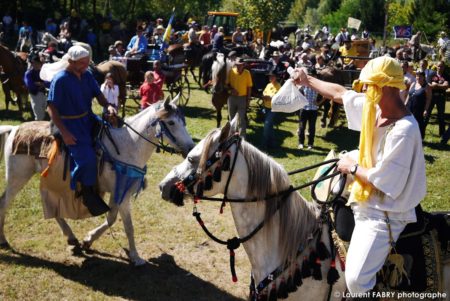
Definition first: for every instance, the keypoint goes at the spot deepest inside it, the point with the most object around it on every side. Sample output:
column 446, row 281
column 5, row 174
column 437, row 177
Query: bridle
column 163, row 131
column 222, row 156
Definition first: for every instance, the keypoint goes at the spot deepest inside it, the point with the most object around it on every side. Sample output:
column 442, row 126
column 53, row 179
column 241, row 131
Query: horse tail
column 4, row 132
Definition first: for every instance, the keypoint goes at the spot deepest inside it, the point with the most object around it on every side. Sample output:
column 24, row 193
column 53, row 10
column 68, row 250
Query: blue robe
column 73, row 97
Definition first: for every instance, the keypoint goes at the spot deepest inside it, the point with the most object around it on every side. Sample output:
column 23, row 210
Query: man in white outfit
column 390, row 173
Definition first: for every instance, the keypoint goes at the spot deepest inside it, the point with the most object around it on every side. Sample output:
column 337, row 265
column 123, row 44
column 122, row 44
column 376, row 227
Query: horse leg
column 93, row 235
column 7, row 92
column 67, row 231
column 125, row 213
column 16, row 178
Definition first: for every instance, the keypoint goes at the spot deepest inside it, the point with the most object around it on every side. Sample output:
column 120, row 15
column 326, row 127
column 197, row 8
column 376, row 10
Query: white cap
column 76, row 53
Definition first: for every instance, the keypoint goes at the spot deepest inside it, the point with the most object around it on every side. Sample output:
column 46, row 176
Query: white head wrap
column 75, row 53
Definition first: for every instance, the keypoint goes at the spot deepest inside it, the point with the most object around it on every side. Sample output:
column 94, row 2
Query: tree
column 430, row 16
column 263, row 14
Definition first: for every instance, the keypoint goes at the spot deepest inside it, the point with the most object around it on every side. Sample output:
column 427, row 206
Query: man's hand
column 112, row 110
column 345, row 164
column 300, row 76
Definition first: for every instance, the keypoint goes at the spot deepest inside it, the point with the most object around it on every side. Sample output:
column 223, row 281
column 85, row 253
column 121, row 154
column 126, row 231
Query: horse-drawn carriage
column 173, row 68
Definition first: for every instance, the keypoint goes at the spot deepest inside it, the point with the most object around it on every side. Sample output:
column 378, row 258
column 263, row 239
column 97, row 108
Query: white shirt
column 111, row 95
column 399, row 170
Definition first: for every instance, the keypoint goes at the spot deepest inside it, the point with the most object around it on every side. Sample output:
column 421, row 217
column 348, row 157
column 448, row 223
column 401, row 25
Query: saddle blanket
column 33, row 139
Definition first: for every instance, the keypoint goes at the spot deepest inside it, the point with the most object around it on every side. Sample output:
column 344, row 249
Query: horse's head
column 171, row 125
column 218, row 74
column 192, row 172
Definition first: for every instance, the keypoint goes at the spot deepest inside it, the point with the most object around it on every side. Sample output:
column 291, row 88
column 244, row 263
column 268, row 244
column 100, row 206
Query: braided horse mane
column 266, row 178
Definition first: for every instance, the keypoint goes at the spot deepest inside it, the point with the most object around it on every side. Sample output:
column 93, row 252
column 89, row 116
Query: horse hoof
column 86, row 245
column 139, row 262
column 73, row 242
column 5, row 246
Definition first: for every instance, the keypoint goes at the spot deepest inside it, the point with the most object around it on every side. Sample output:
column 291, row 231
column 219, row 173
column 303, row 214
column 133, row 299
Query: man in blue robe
column 70, row 108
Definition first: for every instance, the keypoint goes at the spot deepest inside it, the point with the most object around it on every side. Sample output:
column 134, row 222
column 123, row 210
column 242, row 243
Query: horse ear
column 225, row 132
column 175, row 100
column 234, row 124
column 167, row 103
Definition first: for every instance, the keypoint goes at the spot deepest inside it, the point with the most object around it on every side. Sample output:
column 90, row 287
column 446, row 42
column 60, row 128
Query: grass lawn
column 184, row 264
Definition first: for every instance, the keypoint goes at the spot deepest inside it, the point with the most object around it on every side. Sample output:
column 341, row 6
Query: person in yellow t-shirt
column 240, row 87
column 348, row 50
column 271, row 89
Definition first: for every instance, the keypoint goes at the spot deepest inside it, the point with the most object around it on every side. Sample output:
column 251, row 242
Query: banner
column 402, row 32
column 353, row 23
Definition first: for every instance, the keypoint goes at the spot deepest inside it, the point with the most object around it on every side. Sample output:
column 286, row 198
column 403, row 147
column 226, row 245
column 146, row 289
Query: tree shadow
column 11, row 115
column 344, row 138
column 199, row 112
column 160, row 279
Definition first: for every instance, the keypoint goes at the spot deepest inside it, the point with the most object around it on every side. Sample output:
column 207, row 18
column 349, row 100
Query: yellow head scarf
column 378, row 73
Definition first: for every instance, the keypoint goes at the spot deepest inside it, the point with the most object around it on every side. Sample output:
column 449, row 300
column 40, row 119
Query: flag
column 403, row 31
column 166, row 37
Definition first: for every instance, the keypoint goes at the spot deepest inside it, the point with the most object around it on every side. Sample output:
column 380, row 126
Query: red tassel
column 282, row 289
column 273, row 293
column 333, row 275
column 217, row 176
column 306, row 268
column 208, row 181
column 317, row 273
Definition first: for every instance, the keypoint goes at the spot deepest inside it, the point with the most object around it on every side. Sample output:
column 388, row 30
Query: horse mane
column 160, row 112
column 267, row 178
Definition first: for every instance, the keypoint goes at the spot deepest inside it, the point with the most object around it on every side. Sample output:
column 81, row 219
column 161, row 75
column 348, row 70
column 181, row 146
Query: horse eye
column 191, row 160
column 171, row 122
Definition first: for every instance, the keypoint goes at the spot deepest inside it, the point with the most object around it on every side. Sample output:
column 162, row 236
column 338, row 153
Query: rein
column 223, row 150
column 164, row 130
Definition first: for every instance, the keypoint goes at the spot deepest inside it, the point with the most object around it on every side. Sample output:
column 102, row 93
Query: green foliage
column 398, row 14
column 430, row 16
column 312, row 17
column 337, row 19
column 263, row 14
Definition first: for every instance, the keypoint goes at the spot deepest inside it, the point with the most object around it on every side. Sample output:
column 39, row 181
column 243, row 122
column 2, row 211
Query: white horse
column 162, row 119
column 294, row 226
column 289, row 223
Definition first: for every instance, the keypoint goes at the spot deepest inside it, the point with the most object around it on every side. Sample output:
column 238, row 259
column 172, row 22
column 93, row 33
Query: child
column 111, row 93
column 149, row 91
column 308, row 115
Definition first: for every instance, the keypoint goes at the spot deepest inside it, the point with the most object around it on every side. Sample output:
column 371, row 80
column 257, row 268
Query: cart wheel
column 182, row 86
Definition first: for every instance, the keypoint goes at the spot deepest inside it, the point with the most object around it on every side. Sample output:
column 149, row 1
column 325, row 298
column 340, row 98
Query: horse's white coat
column 133, row 150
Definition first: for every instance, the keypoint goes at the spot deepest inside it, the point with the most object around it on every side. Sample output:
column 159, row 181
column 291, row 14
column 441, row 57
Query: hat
column 76, row 53
column 111, row 48
column 117, row 43
column 139, row 28
column 160, row 27
column 239, row 61
column 276, row 53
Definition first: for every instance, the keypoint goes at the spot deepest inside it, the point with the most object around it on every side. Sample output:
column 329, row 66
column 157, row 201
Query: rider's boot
column 93, row 201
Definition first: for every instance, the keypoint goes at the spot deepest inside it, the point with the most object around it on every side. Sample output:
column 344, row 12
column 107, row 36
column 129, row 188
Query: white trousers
column 38, row 105
column 369, row 248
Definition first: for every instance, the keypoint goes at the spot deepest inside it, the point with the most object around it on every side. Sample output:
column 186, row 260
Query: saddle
column 33, row 139
column 420, row 249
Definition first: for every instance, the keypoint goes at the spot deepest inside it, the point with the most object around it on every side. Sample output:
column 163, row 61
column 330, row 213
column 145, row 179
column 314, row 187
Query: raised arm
column 328, row 90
